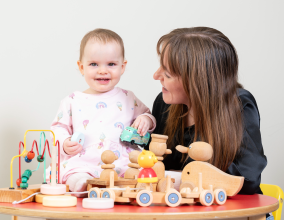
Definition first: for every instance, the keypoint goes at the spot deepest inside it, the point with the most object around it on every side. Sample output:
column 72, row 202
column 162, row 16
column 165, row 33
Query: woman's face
column 172, row 87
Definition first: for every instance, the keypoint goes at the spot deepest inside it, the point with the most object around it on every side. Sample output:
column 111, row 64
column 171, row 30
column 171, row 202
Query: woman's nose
column 157, row 74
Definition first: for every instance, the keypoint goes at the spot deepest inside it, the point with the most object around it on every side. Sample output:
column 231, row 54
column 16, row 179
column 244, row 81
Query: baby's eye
column 93, row 64
column 111, row 64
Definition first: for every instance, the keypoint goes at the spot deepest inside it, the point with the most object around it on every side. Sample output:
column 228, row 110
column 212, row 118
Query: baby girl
column 101, row 112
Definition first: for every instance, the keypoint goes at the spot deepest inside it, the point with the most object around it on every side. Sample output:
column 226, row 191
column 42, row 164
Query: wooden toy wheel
column 220, row 196
column 144, row 198
column 206, row 197
column 94, row 193
column 173, row 198
column 108, row 193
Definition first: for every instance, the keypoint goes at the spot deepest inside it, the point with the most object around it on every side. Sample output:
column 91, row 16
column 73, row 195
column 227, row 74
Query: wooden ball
column 200, row 151
column 108, row 157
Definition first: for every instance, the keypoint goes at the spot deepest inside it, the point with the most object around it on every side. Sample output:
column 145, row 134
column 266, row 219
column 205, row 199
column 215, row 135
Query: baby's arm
column 144, row 120
column 63, row 130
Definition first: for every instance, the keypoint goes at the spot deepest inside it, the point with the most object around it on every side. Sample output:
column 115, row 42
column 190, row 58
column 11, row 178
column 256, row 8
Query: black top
column 249, row 162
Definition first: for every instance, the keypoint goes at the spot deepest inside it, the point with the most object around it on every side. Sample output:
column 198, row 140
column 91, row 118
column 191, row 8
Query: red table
column 238, row 207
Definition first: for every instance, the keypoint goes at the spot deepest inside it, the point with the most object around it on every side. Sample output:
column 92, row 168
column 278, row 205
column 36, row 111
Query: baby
column 101, row 112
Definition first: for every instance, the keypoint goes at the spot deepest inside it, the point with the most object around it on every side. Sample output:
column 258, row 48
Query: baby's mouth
column 102, row 79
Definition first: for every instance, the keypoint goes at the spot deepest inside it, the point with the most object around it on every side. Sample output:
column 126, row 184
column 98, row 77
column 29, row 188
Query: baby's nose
column 102, row 70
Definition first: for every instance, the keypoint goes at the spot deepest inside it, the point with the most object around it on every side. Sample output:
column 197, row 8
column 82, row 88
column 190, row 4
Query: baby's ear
column 81, row 67
column 123, row 66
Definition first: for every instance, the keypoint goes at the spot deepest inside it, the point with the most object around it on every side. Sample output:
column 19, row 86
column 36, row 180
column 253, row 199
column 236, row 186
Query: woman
column 202, row 100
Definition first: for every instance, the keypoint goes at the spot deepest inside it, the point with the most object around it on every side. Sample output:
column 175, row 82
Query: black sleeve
column 250, row 160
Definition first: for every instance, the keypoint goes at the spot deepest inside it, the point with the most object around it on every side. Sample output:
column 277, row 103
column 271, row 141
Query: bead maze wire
column 29, row 155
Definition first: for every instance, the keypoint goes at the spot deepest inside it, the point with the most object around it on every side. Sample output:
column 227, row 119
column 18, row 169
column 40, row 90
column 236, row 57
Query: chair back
column 277, row 193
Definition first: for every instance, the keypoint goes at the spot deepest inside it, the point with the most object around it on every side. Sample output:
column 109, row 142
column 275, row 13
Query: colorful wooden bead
column 18, row 182
column 24, row 185
column 31, row 155
column 39, row 158
column 27, row 159
column 24, row 179
column 27, row 174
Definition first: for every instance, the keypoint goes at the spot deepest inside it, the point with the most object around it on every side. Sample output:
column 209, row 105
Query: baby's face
column 102, row 66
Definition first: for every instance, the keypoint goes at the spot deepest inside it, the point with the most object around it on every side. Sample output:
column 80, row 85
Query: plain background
column 39, row 47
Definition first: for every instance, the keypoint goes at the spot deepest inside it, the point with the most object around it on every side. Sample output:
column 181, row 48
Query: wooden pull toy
column 199, row 151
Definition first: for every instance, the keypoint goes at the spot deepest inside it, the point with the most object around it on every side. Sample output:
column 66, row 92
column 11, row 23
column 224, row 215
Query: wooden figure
column 212, row 178
column 134, row 166
column 159, row 147
column 108, row 157
column 209, row 185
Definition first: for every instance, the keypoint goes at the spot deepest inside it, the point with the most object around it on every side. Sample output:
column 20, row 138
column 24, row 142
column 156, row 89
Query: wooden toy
column 134, row 166
column 59, row 201
column 211, row 175
column 98, row 203
column 23, row 191
column 198, row 176
column 159, row 147
column 39, row 197
column 108, row 157
column 201, row 182
column 53, row 188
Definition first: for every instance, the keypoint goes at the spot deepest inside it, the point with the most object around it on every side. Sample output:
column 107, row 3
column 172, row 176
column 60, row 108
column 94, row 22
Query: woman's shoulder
column 246, row 97
column 249, row 108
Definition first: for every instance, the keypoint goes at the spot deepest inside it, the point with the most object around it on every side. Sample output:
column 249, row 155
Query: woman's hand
column 142, row 123
column 72, row 147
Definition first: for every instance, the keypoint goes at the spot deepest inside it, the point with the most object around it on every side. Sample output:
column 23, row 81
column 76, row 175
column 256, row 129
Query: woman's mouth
column 164, row 90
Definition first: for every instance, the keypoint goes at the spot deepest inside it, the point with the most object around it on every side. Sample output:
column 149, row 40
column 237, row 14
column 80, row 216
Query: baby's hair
column 103, row 35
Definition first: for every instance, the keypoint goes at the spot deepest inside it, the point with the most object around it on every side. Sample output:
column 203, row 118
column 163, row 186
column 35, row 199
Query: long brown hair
column 207, row 63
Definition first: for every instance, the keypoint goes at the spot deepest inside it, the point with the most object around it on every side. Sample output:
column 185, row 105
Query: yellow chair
column 277, row 193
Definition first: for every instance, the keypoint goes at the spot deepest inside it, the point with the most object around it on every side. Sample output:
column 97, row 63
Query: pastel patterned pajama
column 101, row 118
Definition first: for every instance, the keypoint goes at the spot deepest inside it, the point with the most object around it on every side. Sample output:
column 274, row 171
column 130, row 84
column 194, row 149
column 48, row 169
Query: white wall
column 39, row 47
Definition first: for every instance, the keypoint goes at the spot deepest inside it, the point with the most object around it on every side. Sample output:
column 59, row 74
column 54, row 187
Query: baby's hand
column 72, row 147
column 142, row 124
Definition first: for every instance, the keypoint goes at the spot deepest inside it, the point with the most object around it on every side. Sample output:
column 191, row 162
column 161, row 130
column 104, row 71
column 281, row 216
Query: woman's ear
column 81, row 67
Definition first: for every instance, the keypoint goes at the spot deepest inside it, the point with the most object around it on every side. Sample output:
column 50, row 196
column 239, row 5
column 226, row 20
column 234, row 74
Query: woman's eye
column 111, row 64
column 167, row 75
column 93, row 64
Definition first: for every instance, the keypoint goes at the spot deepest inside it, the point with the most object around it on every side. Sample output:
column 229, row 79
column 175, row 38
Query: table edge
column 124, row 215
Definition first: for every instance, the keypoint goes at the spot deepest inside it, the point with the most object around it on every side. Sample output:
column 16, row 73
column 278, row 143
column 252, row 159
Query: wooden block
column 190, row 195
column 158, row 197
column 186, row 201
column 129, row 195
column 122, row 199
column 17, row 194
column 120, row 181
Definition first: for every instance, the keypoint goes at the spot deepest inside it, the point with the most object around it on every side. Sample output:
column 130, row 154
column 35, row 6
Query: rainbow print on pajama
column 119, row 125
column 100, row 105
